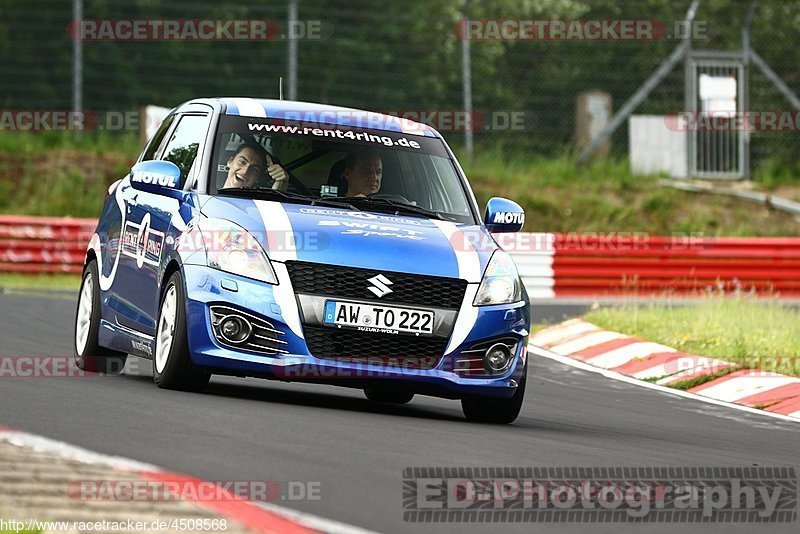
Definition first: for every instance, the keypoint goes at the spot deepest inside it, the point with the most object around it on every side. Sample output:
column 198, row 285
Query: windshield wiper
column 397, row 207
column 285, row 195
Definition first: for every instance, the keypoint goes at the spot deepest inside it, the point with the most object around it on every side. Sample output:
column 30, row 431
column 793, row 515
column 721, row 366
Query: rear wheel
column 498, row 411
column 385, row 395
column 172, row 366
column 89, row 356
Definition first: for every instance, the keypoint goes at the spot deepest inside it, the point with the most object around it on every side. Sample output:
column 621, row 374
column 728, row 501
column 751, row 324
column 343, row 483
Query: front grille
column 352, row 282
column 409, row 352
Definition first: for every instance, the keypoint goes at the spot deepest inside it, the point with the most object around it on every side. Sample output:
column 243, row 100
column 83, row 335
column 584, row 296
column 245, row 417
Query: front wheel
column 498, row 411
column 88, row 355
column 172, row 367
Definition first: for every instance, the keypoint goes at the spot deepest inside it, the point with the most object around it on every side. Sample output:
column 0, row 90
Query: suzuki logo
column 380, row 285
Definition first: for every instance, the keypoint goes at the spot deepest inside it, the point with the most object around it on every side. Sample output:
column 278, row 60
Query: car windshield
column 361, row 169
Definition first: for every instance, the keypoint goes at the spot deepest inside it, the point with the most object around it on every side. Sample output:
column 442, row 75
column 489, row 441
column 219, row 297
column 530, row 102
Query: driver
column 246, row 166
column 363, row 172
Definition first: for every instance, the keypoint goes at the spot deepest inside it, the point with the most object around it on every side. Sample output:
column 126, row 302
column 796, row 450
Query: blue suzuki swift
column 305, row 242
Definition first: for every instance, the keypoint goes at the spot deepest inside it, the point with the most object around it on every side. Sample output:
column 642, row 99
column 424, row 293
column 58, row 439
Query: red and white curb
column 582, row 342
column 255, row 516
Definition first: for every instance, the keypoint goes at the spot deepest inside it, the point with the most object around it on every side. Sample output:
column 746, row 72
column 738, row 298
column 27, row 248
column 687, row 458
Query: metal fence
column 396, row 56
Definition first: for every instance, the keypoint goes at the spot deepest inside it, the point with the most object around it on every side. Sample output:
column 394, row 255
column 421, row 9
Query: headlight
column 231, row 248
column 501, row 283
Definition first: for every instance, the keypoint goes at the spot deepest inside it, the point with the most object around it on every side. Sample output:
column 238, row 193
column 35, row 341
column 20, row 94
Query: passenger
column 246, row 166
column 363, row 172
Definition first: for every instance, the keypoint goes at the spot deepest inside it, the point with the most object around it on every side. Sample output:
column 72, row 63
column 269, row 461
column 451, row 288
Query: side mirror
column 161, row 177
column 503, row 216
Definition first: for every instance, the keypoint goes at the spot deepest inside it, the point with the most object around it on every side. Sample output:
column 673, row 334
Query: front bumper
column 206, row 287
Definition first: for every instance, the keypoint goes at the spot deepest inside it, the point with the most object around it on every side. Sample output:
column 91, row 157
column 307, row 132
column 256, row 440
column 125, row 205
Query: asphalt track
column 246, row 429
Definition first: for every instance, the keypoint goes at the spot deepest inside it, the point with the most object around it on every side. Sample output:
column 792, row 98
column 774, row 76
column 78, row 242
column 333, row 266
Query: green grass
column 57, row 173
column 560, row 196
column 752, row 333
column 40, row 281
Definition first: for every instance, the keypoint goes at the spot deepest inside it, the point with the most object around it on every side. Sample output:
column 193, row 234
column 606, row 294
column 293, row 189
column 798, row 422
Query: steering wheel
column 393, row 197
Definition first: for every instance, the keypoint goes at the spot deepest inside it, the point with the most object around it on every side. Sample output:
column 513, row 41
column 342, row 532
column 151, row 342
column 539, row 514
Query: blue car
column 310, row 243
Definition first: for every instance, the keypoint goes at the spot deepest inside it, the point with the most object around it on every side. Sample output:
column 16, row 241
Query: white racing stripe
column 281, row 247
column 465, row 320
column 249, row 107
column 105, row 282
column 284, row 297
column 280, row 235
column 469, row 263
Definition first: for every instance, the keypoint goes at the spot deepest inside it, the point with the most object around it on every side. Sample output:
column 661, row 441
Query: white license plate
column 371, row 318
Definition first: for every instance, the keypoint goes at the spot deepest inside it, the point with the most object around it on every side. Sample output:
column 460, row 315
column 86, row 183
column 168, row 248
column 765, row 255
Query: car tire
column 172, row 366
column 497, row 411
column 88, row 355
column 390, row 396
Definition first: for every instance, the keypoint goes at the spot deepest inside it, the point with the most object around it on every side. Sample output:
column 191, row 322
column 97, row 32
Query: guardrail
column 551, row 265
column 43, row 244
column 579, row 265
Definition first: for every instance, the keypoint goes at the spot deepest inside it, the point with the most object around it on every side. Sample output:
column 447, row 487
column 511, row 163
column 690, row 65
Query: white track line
column 544, row 353
column 621, row 356
column 558, row 333
column 314, row 522
column 586, row 341
column 79, row 454
column 73, row 452
column 741, row 387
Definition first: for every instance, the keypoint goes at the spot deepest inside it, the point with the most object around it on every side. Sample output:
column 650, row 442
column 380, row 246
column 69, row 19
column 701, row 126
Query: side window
column 155, row 142
column 185, row 141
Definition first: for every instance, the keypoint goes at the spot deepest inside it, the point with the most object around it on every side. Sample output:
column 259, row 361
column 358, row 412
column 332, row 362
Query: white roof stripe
column 249, row 107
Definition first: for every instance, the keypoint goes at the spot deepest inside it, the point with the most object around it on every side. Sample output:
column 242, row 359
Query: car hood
column 369, row 240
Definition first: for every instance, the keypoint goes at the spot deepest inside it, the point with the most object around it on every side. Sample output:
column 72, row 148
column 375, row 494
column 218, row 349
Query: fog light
column 235, row 329
column 497, row 358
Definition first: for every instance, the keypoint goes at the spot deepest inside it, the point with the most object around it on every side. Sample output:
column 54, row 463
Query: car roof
column 316, row 113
